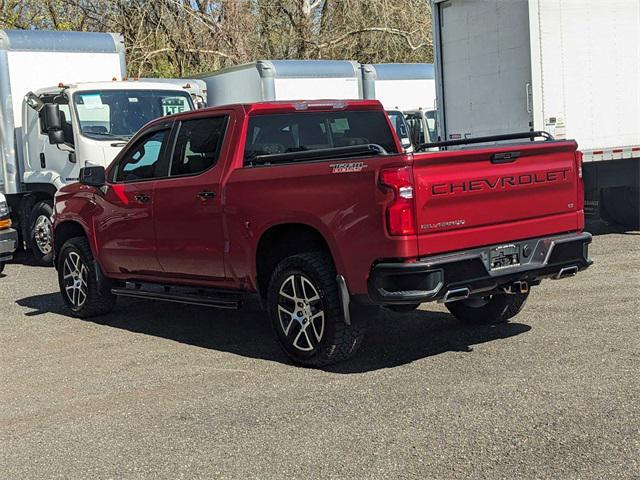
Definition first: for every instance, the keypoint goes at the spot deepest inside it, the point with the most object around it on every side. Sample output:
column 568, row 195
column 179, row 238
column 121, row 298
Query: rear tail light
column 401, row 213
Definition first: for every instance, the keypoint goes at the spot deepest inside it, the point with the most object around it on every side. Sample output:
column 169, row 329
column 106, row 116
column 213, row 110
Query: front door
column 187, row 204
column 125, row 231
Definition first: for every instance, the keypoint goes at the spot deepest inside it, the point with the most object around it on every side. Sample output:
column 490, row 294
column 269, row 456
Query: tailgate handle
column 505, row 157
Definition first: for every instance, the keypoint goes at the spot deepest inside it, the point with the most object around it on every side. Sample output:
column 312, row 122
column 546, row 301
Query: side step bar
column 194, row 296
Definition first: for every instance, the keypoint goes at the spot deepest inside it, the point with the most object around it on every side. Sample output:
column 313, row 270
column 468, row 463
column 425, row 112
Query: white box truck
column 272, row 80
column 60, row 109
column 406, row 87
column 570, row 67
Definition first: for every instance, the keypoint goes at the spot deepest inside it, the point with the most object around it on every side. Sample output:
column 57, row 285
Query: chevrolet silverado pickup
column 314, row 207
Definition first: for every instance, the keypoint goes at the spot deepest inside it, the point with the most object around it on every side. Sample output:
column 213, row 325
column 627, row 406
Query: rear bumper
column 470, row 273
column 8, row 244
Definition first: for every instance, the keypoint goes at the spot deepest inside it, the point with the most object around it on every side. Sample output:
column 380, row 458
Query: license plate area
column 504, row 256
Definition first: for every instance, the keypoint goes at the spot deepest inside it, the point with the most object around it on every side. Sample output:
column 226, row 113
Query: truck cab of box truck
column 47, row 133
column 69, row 127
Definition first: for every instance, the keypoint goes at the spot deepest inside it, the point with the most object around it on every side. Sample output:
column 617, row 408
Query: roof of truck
column 401, row 71
column 57, row 41
column 116, row 85
column 289, row 106
column 296, row 69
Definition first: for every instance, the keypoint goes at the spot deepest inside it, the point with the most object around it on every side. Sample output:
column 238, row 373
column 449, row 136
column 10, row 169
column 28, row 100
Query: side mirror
column 200, row 105
column 51, row 117
column 56, row 137
column 34, row 101
column 92, row 176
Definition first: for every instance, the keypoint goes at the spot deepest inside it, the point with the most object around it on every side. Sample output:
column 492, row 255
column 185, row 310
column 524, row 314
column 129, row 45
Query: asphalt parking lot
column 168, row 391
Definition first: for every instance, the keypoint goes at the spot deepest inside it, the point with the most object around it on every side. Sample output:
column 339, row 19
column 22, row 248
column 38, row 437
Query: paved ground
column 167, row 391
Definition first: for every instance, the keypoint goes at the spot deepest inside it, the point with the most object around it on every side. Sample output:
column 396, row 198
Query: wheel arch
column 282, row 240
column 65, row 230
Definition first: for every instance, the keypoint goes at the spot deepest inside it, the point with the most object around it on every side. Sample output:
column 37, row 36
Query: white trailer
column 272, row 80
column 570, row 67
column 61, row 108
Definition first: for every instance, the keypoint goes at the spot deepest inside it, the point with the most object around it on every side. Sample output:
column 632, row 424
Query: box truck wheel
column 621, row 205
column 41, row 233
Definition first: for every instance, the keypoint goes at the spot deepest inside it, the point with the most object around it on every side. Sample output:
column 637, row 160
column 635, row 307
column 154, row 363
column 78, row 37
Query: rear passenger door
column 187, row 204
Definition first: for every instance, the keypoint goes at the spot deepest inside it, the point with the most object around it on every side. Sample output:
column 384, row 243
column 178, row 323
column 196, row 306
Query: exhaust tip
column 456, row 294
column 566, row 272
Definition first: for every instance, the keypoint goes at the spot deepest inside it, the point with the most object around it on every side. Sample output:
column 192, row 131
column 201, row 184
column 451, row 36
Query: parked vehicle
column 273, row 80
column 399, row 124
column 314, row 206
column 408, row 87
column 568, row 67
column 51, row 127
column 8, row 236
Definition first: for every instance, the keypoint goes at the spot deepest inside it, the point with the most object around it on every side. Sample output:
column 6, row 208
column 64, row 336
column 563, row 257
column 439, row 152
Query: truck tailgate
column 469, row 198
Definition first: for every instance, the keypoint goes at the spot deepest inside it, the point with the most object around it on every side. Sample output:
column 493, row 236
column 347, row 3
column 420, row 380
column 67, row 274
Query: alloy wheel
column 75, row 279
column 301, row 313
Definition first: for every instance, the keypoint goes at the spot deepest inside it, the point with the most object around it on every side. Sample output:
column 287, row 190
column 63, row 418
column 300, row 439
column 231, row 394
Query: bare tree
column 184, row 37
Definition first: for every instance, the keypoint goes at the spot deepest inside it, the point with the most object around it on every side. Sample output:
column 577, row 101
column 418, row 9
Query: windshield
column 118, row 114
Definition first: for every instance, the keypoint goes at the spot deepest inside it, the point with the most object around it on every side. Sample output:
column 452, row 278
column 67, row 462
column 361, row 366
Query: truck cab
column 68, row 127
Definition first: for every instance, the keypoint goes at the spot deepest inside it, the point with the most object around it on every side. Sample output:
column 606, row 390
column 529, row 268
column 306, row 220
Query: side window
column 198, row 145
column 145, row 160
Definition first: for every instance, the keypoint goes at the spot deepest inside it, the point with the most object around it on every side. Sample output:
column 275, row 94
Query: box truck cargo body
column 400, row 86
column 63, row 106
column 272, row 80
column 408, row 87
column 570, row 67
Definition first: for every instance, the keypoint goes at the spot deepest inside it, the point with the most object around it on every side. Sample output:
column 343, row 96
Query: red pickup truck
column 314, row 207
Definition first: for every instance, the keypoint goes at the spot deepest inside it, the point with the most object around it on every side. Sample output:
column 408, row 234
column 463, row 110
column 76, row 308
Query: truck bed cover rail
column 491, row 138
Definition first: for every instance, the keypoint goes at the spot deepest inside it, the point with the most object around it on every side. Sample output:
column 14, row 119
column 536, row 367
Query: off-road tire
column 99, row 299
column 42, row 208
column 498, row 308
column 338, row 341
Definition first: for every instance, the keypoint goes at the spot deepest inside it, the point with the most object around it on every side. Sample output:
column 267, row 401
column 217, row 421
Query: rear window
column 298, row 132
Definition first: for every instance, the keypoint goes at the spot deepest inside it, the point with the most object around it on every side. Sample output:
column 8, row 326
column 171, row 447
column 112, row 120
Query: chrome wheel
column 75, row 279
column 42, row 234
column 301, row 313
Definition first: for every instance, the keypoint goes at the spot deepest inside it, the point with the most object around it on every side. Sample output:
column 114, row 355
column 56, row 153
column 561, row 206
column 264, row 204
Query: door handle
column 142, row 197
column 206, row 194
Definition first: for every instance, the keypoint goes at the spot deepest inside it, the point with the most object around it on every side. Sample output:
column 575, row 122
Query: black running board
column 192, row 296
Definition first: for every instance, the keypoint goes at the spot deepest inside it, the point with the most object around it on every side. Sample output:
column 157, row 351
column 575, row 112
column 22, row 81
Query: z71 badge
column 347, row 167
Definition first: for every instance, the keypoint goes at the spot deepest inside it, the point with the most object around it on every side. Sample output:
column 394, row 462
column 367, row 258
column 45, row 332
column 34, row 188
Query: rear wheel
column 489, row 310
column 78, row 280
column 306, row 313
column 40, row 232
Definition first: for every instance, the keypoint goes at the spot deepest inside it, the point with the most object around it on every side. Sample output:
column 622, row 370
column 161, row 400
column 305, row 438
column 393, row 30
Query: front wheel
column 79, row 286
column 40, row 232
column 306, row 313
column 489, row 310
